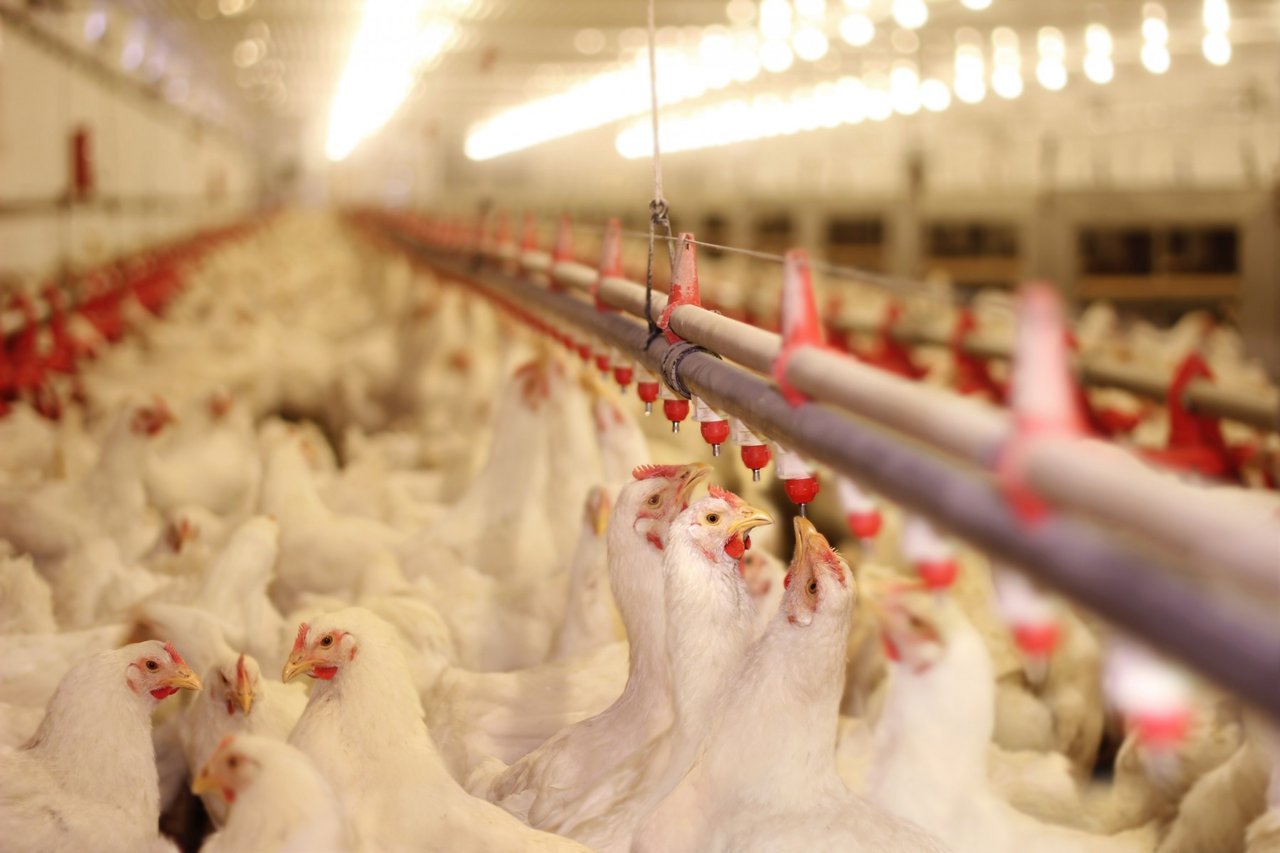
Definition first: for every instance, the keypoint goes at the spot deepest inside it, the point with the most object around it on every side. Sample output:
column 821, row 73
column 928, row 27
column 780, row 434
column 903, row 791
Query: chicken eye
column 233, row 762
column 327, row 640
column 152, row 665
column 654, row 500
column 812, row 587
column 713, row 518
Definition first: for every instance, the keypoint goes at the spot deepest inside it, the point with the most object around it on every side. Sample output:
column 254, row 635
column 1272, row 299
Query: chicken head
column 234, row 685
column 319, row 656
column 151, row 419
column 229, row 770
column 818, row 580
column 721, row 523
column 656, row 495
column 158, row 669
column 915, row 625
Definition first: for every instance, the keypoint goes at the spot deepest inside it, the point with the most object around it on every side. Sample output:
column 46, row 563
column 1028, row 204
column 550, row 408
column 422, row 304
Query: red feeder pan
column 622, row 375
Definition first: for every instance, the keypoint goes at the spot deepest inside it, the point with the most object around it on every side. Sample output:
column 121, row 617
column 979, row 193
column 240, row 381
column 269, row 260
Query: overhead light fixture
column 810, row 43
column 1006, row 77
column 857, row 30
column 390, row 47
column 976, row 5
column 912, row 14
column 934, row 95
column 1155, row 38
column 1098, row 66
column 1217, row 48
column 1217, row 21
column 970, row 83
column 775, row 19
column 776, row 56
column 904, row 88
column 1051, row 70
column 621, row 93
column 846, row 101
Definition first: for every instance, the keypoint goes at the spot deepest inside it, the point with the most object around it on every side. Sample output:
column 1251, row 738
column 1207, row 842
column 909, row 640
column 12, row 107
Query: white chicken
column 710, row 623
column 87, row 779
column 541, row 785
column 783, row 793
column 364, row 731
column 236, row 699
column 591, row 618
column 278, row 802
column 930, row 756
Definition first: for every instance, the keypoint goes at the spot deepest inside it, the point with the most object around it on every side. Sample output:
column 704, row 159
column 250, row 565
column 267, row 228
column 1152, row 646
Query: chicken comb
column 648, row 472
column 225, row 742
column 302, row 637
column 173, row 654
column 242, row 674
column 725, row 495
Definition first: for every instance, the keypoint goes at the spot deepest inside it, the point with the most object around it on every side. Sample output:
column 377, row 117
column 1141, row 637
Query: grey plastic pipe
column 1083, row 477
column 1228, row 638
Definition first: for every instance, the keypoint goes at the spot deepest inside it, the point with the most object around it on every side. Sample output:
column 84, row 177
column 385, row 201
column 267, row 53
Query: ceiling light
column 616, row 94
column 1217, row 48
column 389, row 48
column 776, row 56
column 935, row 96
column 976, row 5
column 911, row 14
column 1216, row 16
column 1052, row 74
column 810, row 44
column 857, row 30
column 1097, row 39
column 1155, row 58
column 1006, row 81
column 1099, row 68
column 813, row 9
column 775, row 19
column 904, row 88
column 1051, row 43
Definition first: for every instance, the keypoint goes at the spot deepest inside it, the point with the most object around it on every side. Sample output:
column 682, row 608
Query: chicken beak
column 244, row 689
column 808, row 540
column 298, row 664
column 244, row 697
column 600, row 518
column 697, row 472
column 748, row 519
column 183, row 677
column 205, row 782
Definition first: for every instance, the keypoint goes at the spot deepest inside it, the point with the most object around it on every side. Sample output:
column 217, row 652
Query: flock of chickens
column 333, row 558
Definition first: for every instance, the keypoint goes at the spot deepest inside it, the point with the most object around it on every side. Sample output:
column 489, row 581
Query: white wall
column 142, row 150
